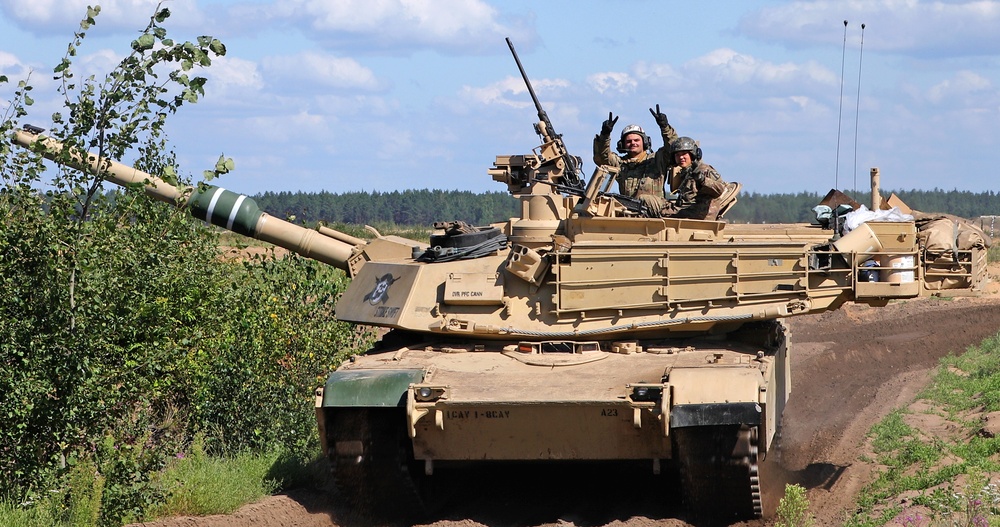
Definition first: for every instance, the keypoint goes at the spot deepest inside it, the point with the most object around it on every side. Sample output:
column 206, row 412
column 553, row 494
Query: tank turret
column 581, row 330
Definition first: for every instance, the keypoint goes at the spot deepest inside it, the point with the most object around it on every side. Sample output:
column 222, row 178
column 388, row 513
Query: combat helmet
column 686, row 144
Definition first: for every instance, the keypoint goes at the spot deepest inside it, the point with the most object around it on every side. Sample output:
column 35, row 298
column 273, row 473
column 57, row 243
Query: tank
column 580, row 331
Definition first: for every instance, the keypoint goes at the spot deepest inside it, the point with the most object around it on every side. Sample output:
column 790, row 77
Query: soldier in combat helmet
column 698, row 182
column 639, row 174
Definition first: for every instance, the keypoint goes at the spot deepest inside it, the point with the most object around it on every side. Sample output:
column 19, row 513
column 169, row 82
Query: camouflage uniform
column 638, row 177
column 699, row 184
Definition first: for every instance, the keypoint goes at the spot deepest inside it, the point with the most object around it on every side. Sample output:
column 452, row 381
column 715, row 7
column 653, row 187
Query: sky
column 386, row 95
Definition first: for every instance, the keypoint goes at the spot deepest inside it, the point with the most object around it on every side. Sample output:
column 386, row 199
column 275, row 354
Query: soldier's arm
column 668, row 168
column 666, row 130
column 668, row 134
column 712, row 185
column 602, row 151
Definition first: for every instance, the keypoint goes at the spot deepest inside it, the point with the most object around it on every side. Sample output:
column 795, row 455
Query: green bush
column 123, row 331
column 793, row 508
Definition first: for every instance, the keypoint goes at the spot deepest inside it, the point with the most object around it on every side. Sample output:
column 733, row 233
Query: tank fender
column 369, row 388
column 712, row 414
column 715, row 396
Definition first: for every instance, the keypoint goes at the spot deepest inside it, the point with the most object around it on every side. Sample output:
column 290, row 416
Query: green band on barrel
column 226, row 209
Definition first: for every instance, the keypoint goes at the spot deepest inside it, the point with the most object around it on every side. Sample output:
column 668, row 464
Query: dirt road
column 850, row 368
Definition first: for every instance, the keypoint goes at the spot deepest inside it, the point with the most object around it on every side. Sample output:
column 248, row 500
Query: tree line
column 424, row 207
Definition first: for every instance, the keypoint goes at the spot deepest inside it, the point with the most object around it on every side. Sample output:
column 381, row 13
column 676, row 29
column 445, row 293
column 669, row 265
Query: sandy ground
column 850, row 368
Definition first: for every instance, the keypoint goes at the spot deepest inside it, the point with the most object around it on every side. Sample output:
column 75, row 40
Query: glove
column 661, row 118
column 609, row 124
column 698, row 176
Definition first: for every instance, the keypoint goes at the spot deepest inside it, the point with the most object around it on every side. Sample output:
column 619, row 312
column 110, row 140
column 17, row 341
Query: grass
column 45, row 514
column 193, row 485
column 948, row 478
column 201, row 485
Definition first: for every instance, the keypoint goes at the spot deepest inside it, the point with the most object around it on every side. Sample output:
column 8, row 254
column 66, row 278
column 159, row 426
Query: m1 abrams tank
column 581, row 330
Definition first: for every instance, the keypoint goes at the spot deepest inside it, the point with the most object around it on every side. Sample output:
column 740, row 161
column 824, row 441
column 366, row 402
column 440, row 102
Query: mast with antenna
column 858, row 110
column 840, row 117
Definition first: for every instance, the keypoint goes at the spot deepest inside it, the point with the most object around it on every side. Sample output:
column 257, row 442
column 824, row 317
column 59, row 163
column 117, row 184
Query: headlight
column 427, row 394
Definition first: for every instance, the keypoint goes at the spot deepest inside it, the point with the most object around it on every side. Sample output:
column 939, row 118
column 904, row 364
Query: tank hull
column 638, row 400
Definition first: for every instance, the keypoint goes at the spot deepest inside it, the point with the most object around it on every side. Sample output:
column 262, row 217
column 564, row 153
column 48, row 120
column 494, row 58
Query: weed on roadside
column 793, row 509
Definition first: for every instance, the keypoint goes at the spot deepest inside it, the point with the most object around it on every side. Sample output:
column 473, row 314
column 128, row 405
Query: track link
column 719, row 472
column 373, row 466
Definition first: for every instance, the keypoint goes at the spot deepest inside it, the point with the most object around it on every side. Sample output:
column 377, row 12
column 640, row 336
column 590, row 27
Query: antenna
column 858, row 111
column 840, row 117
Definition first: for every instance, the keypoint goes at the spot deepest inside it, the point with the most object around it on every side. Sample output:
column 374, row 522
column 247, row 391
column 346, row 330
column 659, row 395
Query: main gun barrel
column 215, row 205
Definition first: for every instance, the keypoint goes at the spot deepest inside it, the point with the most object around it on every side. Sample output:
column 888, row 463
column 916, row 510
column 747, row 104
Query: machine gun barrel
column 542, row 116
column 215, row 205
column 572, row 171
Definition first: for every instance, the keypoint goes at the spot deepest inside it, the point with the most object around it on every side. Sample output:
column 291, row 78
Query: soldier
column 698, row 183
column 639, row 175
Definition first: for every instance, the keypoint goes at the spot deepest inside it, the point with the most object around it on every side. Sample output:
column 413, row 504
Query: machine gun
column 553, row 143
column 634, row 205
column 571, row 183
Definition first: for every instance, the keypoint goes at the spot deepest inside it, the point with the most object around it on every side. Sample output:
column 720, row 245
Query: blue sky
column 348, row 95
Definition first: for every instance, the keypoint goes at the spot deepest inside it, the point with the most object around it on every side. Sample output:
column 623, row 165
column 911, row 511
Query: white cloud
column 15, row 71
column 434, row 20
column 11, row 66
column 363, row 105
column 612, row 82
column 658, row 74
column 460, row 26
column 727, row 65
column 276, row 127
column 939, row 28
column 510, row 92
column 392, row 142
column 322, row 69
column 98, row 63
column 228, row 74
column 963, row 83
column 56, row 15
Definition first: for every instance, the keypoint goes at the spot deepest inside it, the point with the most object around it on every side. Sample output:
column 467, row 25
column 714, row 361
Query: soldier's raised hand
column 661, row 118
column 609, row 124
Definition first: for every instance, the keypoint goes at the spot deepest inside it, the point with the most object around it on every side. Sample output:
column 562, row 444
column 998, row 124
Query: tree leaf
column 144, row 43
column 217, row 47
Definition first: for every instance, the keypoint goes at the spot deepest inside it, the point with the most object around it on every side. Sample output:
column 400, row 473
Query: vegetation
column 123, row 334
column 203, row 484
column 408, row 207
column 424, row 207
column 754, row 207
column 993, row 253
column 193, row 484
column 948, row 475
column 793, row 509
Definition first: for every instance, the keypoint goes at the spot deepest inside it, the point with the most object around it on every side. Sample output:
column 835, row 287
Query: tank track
column 719, row 471
column 373, row 467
